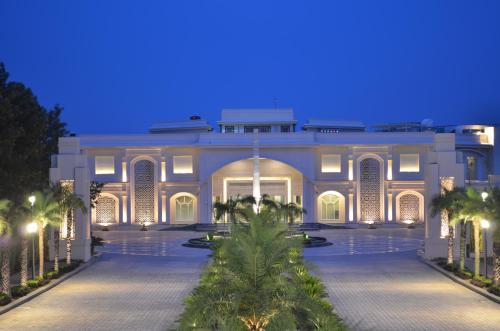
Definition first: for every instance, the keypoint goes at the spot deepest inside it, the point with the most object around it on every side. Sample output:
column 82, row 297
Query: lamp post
column 485, row 224
column 484, row 195
column 32, row 228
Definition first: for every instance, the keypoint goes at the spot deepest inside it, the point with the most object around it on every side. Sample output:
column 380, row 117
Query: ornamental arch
column 107, row 210
column 144, row 189
column 410, row 206
column 370, row 187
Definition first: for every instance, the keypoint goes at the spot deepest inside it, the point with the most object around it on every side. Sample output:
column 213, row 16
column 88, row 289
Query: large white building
column 340, row 172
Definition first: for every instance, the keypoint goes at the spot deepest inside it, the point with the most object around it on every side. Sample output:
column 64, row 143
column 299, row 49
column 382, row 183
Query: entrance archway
column 280, row 181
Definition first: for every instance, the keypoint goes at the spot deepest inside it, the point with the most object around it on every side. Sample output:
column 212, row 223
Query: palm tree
column 474, row 210
column 239, row 209
column 5, row 233
column 493, row 214
column 69, row 203
column 449, row 202
column 45, row 211
column 290, row 211
column 19, row 217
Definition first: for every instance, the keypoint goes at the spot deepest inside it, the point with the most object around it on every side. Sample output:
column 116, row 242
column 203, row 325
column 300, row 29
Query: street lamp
column 32, row 228
column 32, row 200
column 485, row 224
column 484, row 195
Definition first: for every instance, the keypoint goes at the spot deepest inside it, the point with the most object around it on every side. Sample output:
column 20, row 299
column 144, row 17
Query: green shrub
column 19, row 291
column 481, row 281
column 51, row 275
column 495, row 289
column 258, row 279
column 33, row 283
column 4, row 299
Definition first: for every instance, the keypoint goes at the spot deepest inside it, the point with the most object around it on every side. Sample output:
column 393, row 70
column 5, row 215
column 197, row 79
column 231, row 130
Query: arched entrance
column 280, row 181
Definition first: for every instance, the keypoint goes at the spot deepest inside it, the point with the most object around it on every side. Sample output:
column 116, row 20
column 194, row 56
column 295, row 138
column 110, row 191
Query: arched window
column 144, row 191
column 330, row 207
column 184, row 208
column 105, row 210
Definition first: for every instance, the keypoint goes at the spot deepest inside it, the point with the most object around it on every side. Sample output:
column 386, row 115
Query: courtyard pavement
column 374, row 278
column 139, row 283
column 376, row 282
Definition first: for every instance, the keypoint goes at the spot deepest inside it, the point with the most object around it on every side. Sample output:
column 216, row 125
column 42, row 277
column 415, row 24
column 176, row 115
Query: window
column 471, row 168
column 330, row 163
column 229, row 129
column 184, row 210
column 261, row 129
column 330, row 207
column 183, row 164
column 285, row 128
column 409, row 163
column 104, row 165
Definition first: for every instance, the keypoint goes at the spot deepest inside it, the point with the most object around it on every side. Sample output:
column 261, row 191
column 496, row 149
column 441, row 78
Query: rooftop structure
column 331, row 126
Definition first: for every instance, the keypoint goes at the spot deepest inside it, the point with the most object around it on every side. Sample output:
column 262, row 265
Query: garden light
column 484, row 195
column 32, row 200
column 32, row 227
column 485, row 224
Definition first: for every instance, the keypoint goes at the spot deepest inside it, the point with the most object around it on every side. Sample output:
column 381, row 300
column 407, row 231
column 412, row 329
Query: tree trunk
column 69, row 230
column 41, row 257
column 496, row 263
column 5, row 270
column 477, row 250
column 24, row 261
column 450, row 245
column 462, row 246
column 56, row 250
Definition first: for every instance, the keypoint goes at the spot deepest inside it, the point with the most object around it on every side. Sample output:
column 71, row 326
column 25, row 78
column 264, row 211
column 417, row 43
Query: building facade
column 340, row 172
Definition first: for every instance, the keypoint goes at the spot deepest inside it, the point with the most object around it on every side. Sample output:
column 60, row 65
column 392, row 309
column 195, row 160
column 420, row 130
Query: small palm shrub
column 33, row 283
column 19, row 291
column 258, row 281
column 4, row 299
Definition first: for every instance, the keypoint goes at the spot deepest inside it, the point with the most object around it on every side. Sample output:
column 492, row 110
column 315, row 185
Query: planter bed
column 19, row 291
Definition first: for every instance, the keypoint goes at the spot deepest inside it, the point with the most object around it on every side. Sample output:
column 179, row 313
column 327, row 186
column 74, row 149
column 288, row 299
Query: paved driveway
column 129, row 288
column 376, row 282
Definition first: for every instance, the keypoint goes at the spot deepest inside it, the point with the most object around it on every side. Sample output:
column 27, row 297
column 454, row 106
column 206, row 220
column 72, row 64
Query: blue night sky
column 119, row 66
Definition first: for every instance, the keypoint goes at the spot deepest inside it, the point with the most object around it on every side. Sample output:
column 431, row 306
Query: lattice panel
column 370, row 181
column 144, row 191
column 409, row 208
column 105, row 210
column 447, row 183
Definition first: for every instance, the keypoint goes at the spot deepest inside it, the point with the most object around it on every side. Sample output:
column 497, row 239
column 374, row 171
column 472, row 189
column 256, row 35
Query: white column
column 256, row 167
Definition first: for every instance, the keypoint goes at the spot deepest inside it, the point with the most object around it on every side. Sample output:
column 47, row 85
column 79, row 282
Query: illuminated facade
column 340, row 172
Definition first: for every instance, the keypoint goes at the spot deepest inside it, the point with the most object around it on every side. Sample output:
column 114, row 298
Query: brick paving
column 373, row 277
column 122, row 291
column 378, row 291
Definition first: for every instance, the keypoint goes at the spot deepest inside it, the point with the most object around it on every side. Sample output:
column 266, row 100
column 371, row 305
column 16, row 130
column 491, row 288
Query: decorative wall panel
column 409, row 208
column 370, row 195
column 144, row 191
column 105, row 211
